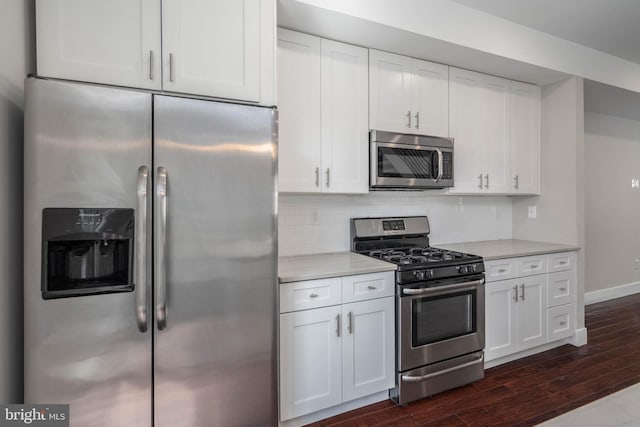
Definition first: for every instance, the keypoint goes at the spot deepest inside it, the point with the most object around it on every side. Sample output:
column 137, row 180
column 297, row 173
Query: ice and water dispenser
column 86, row 251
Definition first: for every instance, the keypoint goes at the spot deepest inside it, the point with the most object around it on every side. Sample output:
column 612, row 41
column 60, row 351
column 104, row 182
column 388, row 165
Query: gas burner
column 407, row 259
column 387, row 254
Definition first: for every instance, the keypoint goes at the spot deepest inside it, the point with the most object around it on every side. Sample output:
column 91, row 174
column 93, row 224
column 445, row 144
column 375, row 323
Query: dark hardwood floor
column 530, row 390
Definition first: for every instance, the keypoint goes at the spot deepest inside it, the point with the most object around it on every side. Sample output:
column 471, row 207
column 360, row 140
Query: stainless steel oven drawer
column 431, row 379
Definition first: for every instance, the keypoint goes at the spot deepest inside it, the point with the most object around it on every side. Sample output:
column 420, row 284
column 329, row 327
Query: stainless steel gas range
column 439, row 305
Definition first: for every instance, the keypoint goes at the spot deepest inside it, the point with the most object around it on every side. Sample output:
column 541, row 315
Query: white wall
column 560, row 207
column 612, row 157
column 15, row 60
column 320, row 223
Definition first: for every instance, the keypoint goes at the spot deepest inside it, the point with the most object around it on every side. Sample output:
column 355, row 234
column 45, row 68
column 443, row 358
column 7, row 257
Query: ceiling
column 610, row 26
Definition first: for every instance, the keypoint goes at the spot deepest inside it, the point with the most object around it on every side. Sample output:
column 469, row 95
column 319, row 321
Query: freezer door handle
column 141, row 248
column 161, row 245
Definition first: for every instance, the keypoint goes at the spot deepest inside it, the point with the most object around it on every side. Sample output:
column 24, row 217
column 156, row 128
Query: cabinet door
column 525, row 138
column 495, row 133
column 390, row 92
column 113, row 42
column 213, row 48
column 344, row 117
column 532, row 318
column 466, row 127
column 299, row 112
column 500, row 317
column 430, row 104
column 368, row 347
column 310, row 361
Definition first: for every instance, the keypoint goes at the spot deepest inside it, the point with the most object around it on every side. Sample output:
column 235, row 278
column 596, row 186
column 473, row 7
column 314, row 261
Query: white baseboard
column 611, row 293
column 579, row 338
column 335, row 410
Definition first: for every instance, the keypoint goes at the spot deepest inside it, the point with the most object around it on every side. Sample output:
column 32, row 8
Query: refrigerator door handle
column 141, row 248
column 160, row 245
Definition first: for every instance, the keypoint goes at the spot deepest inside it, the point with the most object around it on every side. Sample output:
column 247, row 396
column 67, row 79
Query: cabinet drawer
column 561, row 322
column 367, row 286
column 310, row 294
column 528, row 266
column 562, row 261
column 500, row 269
column 562, row 288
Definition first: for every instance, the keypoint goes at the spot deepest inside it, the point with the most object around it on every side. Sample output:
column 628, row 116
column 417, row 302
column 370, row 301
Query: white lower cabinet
column 335, row 354
column 531, row 307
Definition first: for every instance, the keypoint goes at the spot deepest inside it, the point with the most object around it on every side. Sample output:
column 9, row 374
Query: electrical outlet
column 531, row 212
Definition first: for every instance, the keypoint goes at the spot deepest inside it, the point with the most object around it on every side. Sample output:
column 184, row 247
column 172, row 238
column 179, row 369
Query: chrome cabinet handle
column 350, row 327
column 480, row 179
column 141, row 248
column 412, row 379
column 161, row 246
column 171, row 67
column 314, row 295
column 150, row 65
column 338, row 325
column 418, row 120
column 317, row 177
column 515, row 293
column 486, row 185
column 371, row 287
column 409, row 119
column 517, row 182
column 522, row 289
column 328, row 176
column 440, row 165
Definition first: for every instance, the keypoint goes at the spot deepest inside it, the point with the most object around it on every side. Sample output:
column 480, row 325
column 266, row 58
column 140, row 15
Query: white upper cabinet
column 322, row 101
column 408, row 95
column 223, row 49
column 479, row 126
column 114, row 42
column 298, row 112
column 525, row 138
column 495, row 124
column 344, row 117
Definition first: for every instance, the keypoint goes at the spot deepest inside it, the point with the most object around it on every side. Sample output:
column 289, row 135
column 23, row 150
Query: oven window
column 440, row 318
column 406, row 163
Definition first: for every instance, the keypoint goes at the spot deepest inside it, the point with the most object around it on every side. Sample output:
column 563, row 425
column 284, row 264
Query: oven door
column 439, row 323
column 396, row 165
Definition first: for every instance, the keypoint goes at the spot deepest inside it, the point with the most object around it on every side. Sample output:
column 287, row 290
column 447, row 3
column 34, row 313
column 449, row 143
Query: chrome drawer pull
column 373, row 288
column 522, row 288
column 515, row 293
column 534, row 265
column 563, row 323
column 313, row 296
column 338, row 327
column 563, row 289
column 563, row 262
column 502, row 270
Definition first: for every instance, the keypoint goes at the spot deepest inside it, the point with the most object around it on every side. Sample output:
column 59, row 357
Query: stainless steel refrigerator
column 150, row 257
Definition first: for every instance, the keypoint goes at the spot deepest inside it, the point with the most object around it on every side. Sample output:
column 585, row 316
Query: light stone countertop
column 508, row 248
column 322, row 266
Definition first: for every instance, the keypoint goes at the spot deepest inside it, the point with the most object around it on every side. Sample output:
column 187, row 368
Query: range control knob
column 419, row 274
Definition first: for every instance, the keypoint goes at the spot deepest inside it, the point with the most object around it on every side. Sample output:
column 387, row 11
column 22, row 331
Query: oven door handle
column 412, row 379
column 422, row 291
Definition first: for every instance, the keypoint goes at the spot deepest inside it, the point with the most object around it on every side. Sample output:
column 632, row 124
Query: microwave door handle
column 440, row 165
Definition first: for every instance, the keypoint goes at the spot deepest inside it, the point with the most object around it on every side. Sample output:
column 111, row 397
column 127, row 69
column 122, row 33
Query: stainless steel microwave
column 409, row 162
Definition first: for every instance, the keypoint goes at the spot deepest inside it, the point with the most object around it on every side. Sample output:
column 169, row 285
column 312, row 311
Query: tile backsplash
column 320, row 223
